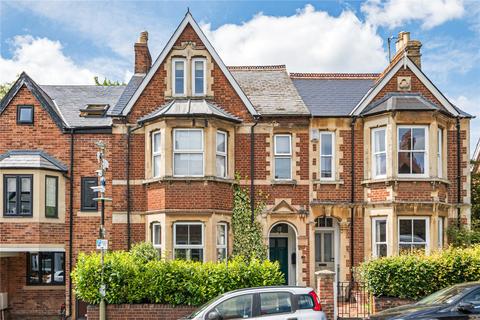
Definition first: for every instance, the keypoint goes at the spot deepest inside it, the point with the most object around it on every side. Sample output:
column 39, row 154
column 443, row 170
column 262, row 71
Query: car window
column 473, row 298
column 447, row 295
column 305, row 301
column 239, row 307
column 275, row 302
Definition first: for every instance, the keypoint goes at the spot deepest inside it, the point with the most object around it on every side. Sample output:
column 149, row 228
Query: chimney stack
column 412, row 47
column 143, row 60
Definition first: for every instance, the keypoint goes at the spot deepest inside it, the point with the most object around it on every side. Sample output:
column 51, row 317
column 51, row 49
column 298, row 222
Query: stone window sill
column 284, row 182
column 335, row 182
column 189, row 179
column 432, row 180
column 44, row 287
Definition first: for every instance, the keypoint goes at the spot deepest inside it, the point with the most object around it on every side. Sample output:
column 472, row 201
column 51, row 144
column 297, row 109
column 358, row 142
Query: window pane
column 196, row 254
column 282, row 145
column 156, row 166
column 236, row 308
column 46, row 266
column 404, row 248
column 318, row 247
column 380, row 164
column 379, row 141
column 188, row 140
column 34, row 270
column 51, row 197
column 26, row 195
column 418, row 162
column 181, row 254
column 283, row 168
column 404, row 136
column 157, row 235
column 26, row 114
column 11, row 195
column 195, row 234
column 179, row 77
column 156, row 142
column 404, row 162
column 418, row 138
column 221, row 235
column 181, row 234
column 327, row 249
column 381, row 231
column 221, row 166
column 221, row 254
column 326, row 147
column 59, row 263
column 326, row 167
column 381, row 250
column 199, row 65
column 405, row 230
column 221, row 143
column 419, row 231
column 195, row 164
column 275, row 302
column 181, row 164
column 88, row 194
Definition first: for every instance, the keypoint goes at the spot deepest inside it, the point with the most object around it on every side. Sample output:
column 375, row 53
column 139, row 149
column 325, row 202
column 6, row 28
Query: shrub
column 133, row 280
column 463, row 237
column 416, row 275
column 145, row 252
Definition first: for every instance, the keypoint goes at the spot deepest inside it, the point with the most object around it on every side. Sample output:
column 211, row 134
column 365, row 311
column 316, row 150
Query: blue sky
column 72, row 41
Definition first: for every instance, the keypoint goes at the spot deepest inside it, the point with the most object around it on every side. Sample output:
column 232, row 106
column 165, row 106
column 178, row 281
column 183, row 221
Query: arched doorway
column 327, row 244
column 282, row 247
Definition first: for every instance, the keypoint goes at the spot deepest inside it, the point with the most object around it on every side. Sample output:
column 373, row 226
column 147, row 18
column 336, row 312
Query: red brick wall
column 142, row 311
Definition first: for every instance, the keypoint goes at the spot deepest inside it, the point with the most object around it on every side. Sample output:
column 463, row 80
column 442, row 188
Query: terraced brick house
column 351, row 166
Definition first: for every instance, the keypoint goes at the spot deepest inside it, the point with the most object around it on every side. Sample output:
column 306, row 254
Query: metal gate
column 353, row 301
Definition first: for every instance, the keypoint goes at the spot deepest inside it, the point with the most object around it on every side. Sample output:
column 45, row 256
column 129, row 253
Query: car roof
column 291, row 289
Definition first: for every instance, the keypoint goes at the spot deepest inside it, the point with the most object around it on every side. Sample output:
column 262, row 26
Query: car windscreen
column 447, row 295
column 203, row 307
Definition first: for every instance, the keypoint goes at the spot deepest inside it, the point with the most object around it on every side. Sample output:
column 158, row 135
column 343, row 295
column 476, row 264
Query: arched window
column 324, row 222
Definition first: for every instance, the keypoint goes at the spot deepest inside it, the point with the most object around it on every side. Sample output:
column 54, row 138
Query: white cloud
column 309, row 41
column 395, row 13
column 44, row 61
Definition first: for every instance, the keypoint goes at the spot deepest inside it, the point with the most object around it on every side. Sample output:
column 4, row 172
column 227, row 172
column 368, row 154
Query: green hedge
column 416, row 275
column 133, row 279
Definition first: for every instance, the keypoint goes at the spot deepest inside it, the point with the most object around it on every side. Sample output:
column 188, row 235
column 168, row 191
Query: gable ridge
column 334, row 76
column 280, row 67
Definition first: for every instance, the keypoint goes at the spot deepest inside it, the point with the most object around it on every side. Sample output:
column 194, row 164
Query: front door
column 324, row 250
column 279, row 252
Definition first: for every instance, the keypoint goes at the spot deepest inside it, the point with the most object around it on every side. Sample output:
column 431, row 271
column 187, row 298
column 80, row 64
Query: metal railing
column 353, row 300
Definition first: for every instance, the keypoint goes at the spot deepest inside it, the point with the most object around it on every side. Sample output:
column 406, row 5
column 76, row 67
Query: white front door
column 325, row 250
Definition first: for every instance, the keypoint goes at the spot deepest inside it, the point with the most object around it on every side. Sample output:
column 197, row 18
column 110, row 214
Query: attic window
column 94, row 110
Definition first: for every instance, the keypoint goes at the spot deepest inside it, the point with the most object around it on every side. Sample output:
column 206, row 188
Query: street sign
column 102, row 244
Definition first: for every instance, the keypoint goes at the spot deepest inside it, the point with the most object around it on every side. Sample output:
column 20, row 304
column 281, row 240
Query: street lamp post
column 102, row 243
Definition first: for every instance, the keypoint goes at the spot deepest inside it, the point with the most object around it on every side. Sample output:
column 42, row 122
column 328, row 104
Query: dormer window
column 94, row 110
column 179, row 77
column 25, row 114
column 198, row 76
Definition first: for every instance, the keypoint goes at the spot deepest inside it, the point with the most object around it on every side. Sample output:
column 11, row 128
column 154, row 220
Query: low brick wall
column 141, row 311
column 384, row 303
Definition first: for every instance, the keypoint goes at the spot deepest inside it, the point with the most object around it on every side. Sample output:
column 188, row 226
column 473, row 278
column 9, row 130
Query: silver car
column 266, row 303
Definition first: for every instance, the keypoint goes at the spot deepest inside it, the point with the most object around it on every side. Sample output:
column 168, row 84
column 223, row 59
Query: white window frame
column 156, row 245
column 157, row 153
column 427, row 232
column 375, row 153
column 176, row 151
column 204, row 62
column 188, row 246
column 222, row 246
column 221, row 153
column 287, row 155
column 440, row 152
column 440, row 229
column 374, row 236
column 426, row 159
column 174, row 93
column 332, row 134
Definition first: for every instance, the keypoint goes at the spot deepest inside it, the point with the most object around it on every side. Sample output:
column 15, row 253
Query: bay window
column 412, row 234
column 379, row 237
column 198, row 76
column 412, row 150
column 188, row 241
column 51, row 197
column 327, row 166
column 45, row 268
column 283, row 156
column 179, row 77
column 188, row 152
column 221, row 154
column 17, row 195
column 222, row 236
column 156, row 153
column 440, row 152
column 379, row 153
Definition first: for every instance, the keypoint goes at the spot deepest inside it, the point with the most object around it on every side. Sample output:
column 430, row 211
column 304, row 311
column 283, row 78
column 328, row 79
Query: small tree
column 247, row 236
column 107, row 82
column 4, row 88
column 475, row 201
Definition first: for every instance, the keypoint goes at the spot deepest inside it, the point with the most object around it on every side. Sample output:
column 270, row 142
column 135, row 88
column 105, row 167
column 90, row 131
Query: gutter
column 352, row 197
column 70, row 254
column 459, row 176
column 252, row 169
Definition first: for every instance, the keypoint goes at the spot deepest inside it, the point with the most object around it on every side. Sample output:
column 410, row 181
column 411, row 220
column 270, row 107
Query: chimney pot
column 143, row 37
column 143, row 59
column 411, row 47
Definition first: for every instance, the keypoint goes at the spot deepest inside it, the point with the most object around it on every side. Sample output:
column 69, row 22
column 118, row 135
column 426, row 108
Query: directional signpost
column 102, row 243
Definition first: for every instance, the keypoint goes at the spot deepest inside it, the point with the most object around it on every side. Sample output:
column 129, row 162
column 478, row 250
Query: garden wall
column 384, row 303
column 141, row 311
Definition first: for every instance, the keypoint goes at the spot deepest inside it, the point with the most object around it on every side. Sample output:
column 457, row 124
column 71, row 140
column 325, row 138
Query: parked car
column 266, row 303
column 461, row 301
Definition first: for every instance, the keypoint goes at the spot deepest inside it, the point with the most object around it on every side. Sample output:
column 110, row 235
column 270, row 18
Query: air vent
column 94, row 110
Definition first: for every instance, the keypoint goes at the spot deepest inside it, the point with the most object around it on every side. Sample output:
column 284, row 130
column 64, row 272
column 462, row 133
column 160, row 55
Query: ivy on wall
column 247, row 236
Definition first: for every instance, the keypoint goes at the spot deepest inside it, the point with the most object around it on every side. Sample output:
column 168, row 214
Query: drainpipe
column 352, row 196
column 128, row 189
column 252, row 170
column 459, row 175
column 70, row 255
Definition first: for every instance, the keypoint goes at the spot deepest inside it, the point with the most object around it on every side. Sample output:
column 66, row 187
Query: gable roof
column 270, row 89
column 36, row 159
column 127, row 94
column 189, row 108
column 188, row 19
column 70, row 99
column 332, row 94
column 405, row 62
column 45, row 101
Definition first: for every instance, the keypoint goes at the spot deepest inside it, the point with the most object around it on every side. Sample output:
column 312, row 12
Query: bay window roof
column 30, row 159
column 402, row 101
column 189, row 108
